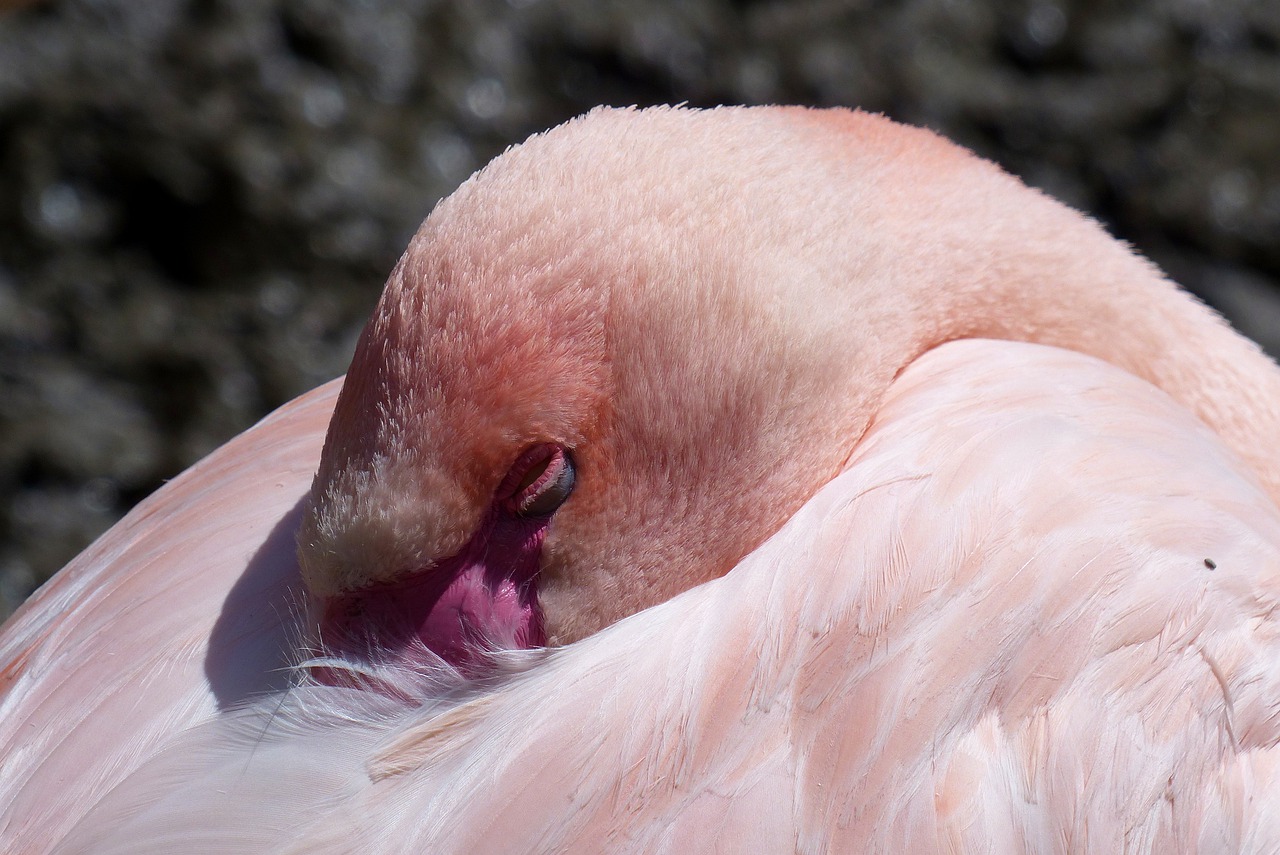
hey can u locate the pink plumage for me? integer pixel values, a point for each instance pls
(817, 577)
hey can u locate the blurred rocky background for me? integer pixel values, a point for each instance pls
(200, 199)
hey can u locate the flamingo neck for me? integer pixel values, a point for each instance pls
(930, 244)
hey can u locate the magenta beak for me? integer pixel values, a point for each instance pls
(482, 599)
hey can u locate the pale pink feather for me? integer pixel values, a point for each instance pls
(997, 631)
(184, 609)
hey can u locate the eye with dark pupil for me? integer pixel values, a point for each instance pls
(544, 485)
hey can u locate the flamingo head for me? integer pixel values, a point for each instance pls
(589, 385)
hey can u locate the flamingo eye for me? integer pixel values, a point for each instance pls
(539, 482)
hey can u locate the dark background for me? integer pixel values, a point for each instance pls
(200, 199)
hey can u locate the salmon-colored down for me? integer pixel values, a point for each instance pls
(744, 480)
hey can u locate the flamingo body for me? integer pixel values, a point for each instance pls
(822, 567)
(1048, 665)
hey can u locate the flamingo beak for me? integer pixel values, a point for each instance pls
(482, 598)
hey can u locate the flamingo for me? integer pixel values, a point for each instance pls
(752, 479)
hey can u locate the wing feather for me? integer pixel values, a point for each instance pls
(181, 610)
(996, 631)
